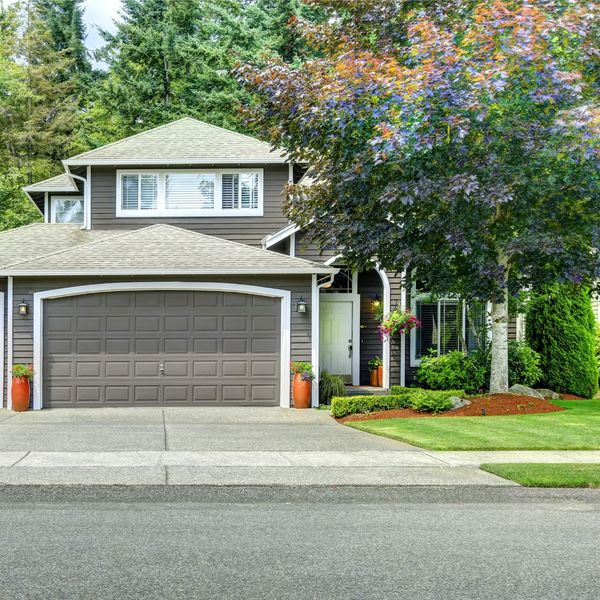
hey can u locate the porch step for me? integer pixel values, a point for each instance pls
(366, 390)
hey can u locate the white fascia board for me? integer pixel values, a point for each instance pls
(106, 162)
(279, 236)
(143, 272)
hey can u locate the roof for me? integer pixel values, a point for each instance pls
(186, 141)
(157, 249)
(60, 183)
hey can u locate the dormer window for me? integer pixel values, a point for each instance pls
(67, 209)
(187, 193)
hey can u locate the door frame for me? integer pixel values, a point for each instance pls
(140, 286)
(355, 299)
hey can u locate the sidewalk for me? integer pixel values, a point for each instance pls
(409, 467)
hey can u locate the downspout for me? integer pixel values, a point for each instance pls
(315, 334)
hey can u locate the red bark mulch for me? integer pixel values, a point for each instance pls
(495, 405)
(571, 397)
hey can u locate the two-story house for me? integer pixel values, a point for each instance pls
(165, 273)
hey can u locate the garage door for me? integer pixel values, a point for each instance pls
(161, 348)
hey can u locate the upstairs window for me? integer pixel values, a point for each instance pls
(67, 210)
(203, 193)
(139, 192)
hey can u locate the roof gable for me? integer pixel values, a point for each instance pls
(186, 141)
(60, 183)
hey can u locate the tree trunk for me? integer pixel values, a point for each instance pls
(499, 366)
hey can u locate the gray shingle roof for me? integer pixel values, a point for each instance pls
(186, 141)
(60, 183)
(158, 249)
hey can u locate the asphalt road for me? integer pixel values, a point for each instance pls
(434, 543)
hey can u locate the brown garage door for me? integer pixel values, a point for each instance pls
(158, 348)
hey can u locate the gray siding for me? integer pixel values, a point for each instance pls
(247, 230)
(369, 285)
(310, 251)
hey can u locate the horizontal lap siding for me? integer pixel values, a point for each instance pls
(247, 230)
(369, 285)
(395, 280)
(297, 285)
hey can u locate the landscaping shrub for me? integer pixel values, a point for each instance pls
(330, 386)
(523, 364)
(561, 327)
(422, 400)
(451, 371)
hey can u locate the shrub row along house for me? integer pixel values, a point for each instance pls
(165, 273)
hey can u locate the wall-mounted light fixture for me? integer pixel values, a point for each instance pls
(376, 302)
(23, 307)
(302, 306)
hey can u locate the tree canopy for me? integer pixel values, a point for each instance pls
(459, 142)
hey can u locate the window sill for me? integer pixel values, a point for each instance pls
(149, 214)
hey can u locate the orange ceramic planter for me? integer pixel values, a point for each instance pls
(20, 394)
(301, 392)
(374, 378)
(380, 376)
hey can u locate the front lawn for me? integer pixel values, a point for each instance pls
(577, 428)
(548, 475)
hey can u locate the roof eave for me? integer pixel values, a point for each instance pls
(103, 162)
(129, 272)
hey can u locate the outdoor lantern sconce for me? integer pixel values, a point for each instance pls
(376, 301)
(23, 307)
(301, 307)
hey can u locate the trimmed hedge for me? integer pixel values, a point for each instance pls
(561, 327)
(416, 398)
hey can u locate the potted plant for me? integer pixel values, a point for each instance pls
(301, 386)
(22, 375)
(376, 365)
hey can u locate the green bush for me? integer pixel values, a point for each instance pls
(330, 386)
(451, 371)
(419, 399)
(562, 328)
(523, 364)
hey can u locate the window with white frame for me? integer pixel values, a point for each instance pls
(225, 192)
(446, 324)
(66, 210)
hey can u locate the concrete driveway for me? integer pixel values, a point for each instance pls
(211, 446)
(211, 429)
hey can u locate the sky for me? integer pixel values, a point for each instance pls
(98, 13)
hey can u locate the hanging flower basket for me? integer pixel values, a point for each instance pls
(396, 323)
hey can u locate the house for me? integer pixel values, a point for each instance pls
(165, 273)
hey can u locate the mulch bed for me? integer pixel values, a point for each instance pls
(494, 405)
(571, 397)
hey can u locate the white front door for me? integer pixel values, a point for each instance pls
(336, 340)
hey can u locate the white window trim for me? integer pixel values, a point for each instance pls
(55, 199)
(217, 211)
(38, 319)
(414, 361)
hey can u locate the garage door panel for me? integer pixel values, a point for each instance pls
(216, 348)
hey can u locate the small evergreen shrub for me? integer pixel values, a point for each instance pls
(454, 370)
(561, 327)
(523, 364)
(330, 386)
(422, 400)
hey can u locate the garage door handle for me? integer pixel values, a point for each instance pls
(349, 348)
(162, 369)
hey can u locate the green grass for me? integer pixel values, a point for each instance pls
(548, 475)
(577, 428)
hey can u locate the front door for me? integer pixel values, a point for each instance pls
(336, 341)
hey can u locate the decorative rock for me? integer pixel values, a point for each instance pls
(523, 390)
(548, 393)
(458, 402)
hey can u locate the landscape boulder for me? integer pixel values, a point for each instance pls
(548, 393)
(523, 390)
(458, 402)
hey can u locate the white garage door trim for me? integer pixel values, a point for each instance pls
(198, 286)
